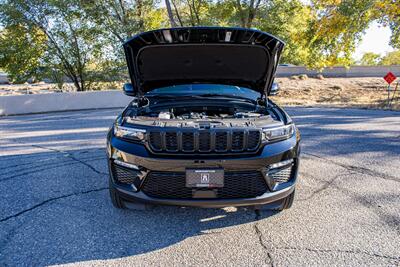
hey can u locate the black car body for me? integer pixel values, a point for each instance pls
(200, 130)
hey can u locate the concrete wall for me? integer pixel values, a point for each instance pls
(3, 78)
(354, 71)
(23, 104)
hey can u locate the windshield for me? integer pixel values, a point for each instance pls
(205, 89)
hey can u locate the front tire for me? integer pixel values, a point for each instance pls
(280, 205)
(288, 201)
(119, 203)
(115, 198)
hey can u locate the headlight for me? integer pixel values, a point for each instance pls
(279, 133)
(129, 133)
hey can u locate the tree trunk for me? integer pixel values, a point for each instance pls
(247, 12)
(242, 16)
(253, 9)
(197, 11)
(177, 13)
(170, 14)
(139, 13)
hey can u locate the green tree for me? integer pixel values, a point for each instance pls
(388, 12)
(20, 52)
(338, 26)
(289, 21)
(188, 12)
(286, 19)
(73, 42)
(82, 39)
(370, 59)
(391, 58)
(335, 30)
(117, 21)
(247, 10)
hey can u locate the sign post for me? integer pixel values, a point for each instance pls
(389, 78)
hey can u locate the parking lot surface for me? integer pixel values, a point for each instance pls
(55, 208)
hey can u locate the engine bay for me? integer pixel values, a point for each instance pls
(195, 114)
(206, 113)
(195, 111)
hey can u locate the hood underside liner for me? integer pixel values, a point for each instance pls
(232, 56)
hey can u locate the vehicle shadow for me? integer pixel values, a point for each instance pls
(60, 213)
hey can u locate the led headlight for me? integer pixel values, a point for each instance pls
(278, 133)
(129, 133)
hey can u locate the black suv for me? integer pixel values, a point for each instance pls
(200, 130)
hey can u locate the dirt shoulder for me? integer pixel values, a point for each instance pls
(297, 90)
(344, 92)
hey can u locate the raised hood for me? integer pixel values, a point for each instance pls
(232, 56)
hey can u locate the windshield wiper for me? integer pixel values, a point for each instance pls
(226, 96)
(168, 96)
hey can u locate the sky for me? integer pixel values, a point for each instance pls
(376, 39)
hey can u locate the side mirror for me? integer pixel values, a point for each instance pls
(129, 90)
(274, 89)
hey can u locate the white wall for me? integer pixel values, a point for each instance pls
(3, 78)
(354, 71)
(36, 103)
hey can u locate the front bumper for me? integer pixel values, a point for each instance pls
(272, 153)
(266, 198)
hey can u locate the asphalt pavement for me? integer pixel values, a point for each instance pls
(55, 208)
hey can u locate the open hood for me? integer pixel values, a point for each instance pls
(232, 56)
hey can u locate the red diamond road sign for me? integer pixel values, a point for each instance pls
(389, 77)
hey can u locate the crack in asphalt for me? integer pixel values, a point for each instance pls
(28, 164)
(40, 168)
(358, 169)
(71, 156)
(271, 260)
(50, 200)
(31, 163)
(67, 154)
(325, 186)
(260, 236)
(387, 218)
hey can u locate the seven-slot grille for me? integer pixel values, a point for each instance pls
(240, 184)
(204, 141)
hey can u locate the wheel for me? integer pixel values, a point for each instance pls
(288, 201)
(115, 198)
(280, 205)
(118, 203)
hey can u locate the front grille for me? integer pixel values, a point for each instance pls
(187, 142)
(124, 175)
(281, 176)
(171, 141)
(204, 141)
(221, 141)
(171, 185)
(155, 141)
(237, 140)
(253, 140)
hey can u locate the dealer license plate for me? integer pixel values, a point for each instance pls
(209, 178)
